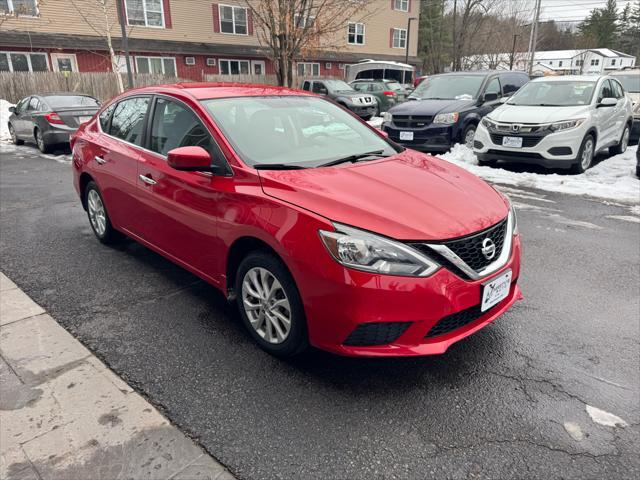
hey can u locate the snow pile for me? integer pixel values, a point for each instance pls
(4, 120)
(613, 178)
(375, 122)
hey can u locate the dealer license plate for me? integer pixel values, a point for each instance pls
(406, 135)
(83, 119)
(512, 142)
(495, 290)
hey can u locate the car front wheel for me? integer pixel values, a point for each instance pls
(270, 305)
(14, 137)
(468, 135)
(585, 155)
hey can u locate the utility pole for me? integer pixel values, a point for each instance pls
(125, 42)
(513, 51)
(455, 62)
(406, 54)
(533, 39)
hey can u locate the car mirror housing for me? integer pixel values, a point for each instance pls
(12, 109)
(608, 102)
(490, 97)
(189, 159)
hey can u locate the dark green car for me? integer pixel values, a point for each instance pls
(388, 92)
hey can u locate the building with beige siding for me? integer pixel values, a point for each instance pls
(186, 38)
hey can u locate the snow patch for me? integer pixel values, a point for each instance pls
(4, 120)
(574, 430)
(375, 122)
(605, 418)
(611, 179)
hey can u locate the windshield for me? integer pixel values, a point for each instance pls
(337, 85)
(449, 87)
(631, 82)
(60, 101)
(554, 94)
(291, 130)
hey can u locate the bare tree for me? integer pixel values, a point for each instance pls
(291, 29)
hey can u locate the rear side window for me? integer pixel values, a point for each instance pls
(174, 126)
(127, 122)
(360, 87)
(63, 101)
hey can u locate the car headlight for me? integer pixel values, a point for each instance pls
(488, 123)
(387, 117)
(366, 251)
(446, 118)
(566, 125)
(513, 218)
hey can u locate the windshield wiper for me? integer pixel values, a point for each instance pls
(277, 166)
(353, 158)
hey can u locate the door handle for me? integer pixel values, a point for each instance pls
(100, 160)
(147, 180)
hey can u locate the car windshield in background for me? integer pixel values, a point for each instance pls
(631, 82)
(449, 87)
(337, 85)
(67, 101)
(554, 94)
(293, 131)
(394, 86)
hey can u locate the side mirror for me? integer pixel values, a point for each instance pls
(608, 102)
(323, 91)
(189, 159)
(491, 97)
(12, 109)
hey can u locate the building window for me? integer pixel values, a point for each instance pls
(613, 61)
(308, 69)
(233, 19)
(402, 5)
(211, 62)
(234, 67)
(560, 63)
(145, 13)
(156, 65)
(304, 22)
(23, 61)
(399, 38)
(551, 62)
(579, 63)
(27, 8)
(595, 62)
(191, 61)
(356, 33)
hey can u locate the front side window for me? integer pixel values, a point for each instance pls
(617, 89)
(606, 91)
(356, 33)
(233, 19)
(156, 65)
(399, 38)
(127, 122)
(145, 13)
(23, 62)
(19, 7)
(554, 94)
(318, 87)
(493, 87)
(292, 130)
(105, 116)
(34, 104)
(449, 87)
(402, 5)
(234, 67)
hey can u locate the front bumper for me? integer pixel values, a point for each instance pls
(368, 111)
(338, 300)
(555, 150)
(432, 138)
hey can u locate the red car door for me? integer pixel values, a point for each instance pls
(115, 160)
(179, 207)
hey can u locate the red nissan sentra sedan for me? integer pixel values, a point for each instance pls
(322, 230)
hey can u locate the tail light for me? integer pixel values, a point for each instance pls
(53, 118)
(389, 93)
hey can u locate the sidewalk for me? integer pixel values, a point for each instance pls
(64, 415)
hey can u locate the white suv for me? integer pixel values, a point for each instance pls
(557, 122)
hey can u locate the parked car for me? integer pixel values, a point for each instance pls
(387, 92)
(446, 109)
(419, 80)
(630, 80)
(50, 119)
(362, 104)
(560, 122)
(638, 162)
(322, 231)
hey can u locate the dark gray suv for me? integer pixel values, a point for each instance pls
(362, 104)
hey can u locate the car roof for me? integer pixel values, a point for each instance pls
(572, 78)
(375, 80)
(630, 71)
(483, 73)
(203, 91)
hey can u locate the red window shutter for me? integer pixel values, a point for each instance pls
(391, 37)
(409, 6)
(249, 21)
(216, 18)
(166, 5)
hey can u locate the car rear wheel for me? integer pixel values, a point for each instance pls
(624, 143)
(43, 145)
(468, 135)
(585, 155)
(98, 216)
(270, 305)
(14, 137)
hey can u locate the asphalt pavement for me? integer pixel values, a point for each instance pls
(511, 401)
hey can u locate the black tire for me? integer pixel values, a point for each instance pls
(14, 136)
(110, 234)
(41, 142)
(470, 128)
(577, 166)
(621, 147)
(297, 339)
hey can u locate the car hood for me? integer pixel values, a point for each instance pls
(431, 107)
(524, 114)
(410, 196)
(352, 95)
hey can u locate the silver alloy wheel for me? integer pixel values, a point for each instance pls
(587, 154)
(266, 304)
(468, 139)
(97, 214)
(12, 132)
(624, 143)
(39, 139)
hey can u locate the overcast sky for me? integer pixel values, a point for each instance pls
(571, 10)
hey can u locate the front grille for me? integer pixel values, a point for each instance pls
(378, 333)
(457, 320)
(469, 249)
(511, 154)
(412, 121)
(527, 141)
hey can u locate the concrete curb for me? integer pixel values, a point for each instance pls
(65, 415)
